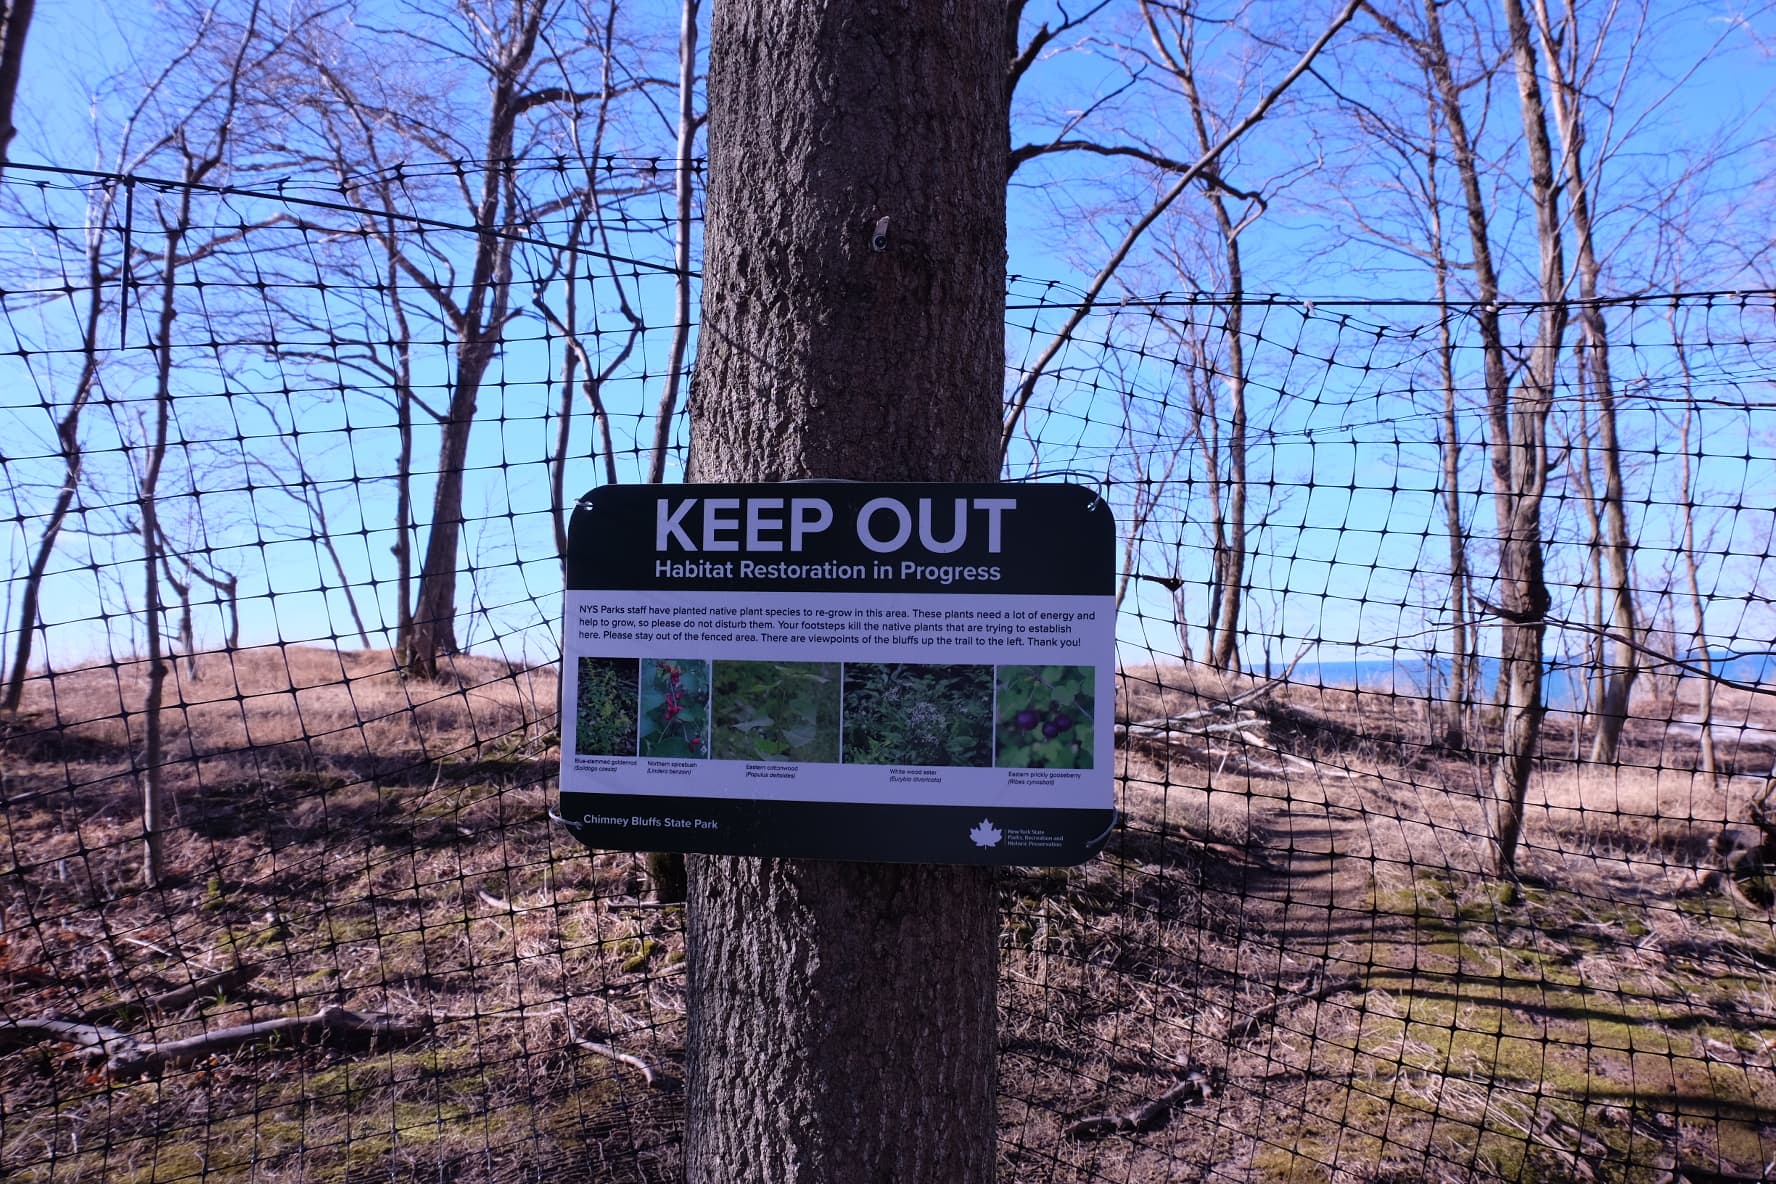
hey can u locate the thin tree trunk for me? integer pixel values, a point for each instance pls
(318, 507)
(1516, 420)
(404, 540)
(1463, 660)
(225, 586)
(1706, 763)
(1520, 473)
(68, 442)
(1228, 558)
(187, 643)
(153, 758)
(684, 176)
(842, 1015)
(1619, 661)
(570, 361)
(479, 325)
(1578, 445)
(578, 359)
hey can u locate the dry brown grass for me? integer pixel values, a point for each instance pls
(384, 845)
(336, 828)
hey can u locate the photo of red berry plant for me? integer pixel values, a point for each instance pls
(674, 708)
(899, 714)
(775, 711)
(1045, 717)
(604, 715)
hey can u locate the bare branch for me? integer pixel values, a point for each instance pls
(1027, 388)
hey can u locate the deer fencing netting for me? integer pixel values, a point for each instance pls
(367, 953)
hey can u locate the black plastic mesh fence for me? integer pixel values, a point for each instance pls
(357, 948)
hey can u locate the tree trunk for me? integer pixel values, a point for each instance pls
(1444, 99)
(1706, 762)
(68, 441)
(153, 756)
(1520, 477)
(479, 325)
(842, 1015)
(15, 23)
(434, 613)
(1618, 663)
(402, 362)
(684, 178)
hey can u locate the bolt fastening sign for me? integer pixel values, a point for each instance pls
(900, 672)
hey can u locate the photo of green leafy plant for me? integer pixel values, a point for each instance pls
(775, 711)
(674, 708)
(604, 716)
(901, 714)
(1045, 717)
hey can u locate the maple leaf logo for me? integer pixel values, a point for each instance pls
(985, 835)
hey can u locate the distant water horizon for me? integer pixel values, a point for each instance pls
(1564, 686)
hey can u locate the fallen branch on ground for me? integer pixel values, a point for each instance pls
(611, 1053)
(1197, 1086)
(1315, 988)
(126, 1056)
(1199, 1083)
(210, 986)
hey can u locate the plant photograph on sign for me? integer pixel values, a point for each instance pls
(901, 714)
(1045, 717)
(775, 711)
(605, 711)
(674, 708)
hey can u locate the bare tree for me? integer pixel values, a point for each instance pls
(350, 113)
(164, 118)
(68, 439)
(1175, 45)
(1520, 467)
(202, 152)
(1564, 52)
(1396, 206)
(582, 372)
(1188, 175)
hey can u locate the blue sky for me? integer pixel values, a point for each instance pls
(1347, 552)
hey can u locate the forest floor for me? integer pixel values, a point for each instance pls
(1286, 966)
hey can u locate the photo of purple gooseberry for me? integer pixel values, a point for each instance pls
(1062, 722)
(1026, 719)
(1051, 730)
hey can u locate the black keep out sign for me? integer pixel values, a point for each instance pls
(909, 673)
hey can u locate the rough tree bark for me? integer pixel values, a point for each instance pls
(842, 1015)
